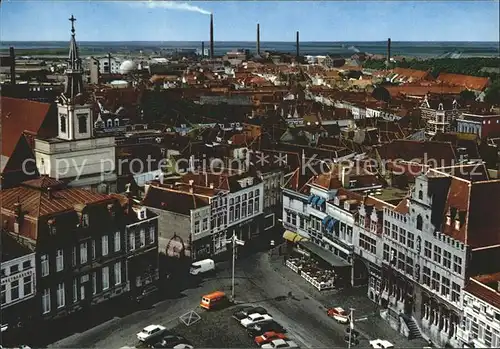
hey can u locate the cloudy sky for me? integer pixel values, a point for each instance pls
(235, 21)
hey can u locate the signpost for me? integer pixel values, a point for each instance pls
(234, 241)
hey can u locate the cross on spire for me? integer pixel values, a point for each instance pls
(72, 20)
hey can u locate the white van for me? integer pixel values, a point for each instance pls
(202, 266)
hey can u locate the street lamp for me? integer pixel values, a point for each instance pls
(234, 241)
(351, 326)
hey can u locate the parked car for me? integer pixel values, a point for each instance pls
(202, 267)
(280, 343)
(339, 314)
(170, 341)
(381, 343)
(269, 337)
(244, 312)
(265, 326)
(150, 332)
(254, 318)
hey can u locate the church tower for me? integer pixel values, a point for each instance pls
(76, 155)
(74, 113)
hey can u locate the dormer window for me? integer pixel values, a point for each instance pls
(62, 119)
(117, 122)
(457, 224)
(109, 123)
(82, 123)
(440, 107)
(448, 220)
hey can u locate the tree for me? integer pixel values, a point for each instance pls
(492, 94)
(468, 96)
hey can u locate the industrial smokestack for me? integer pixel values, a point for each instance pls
(211, 35)
(297, 44)
(203, 49)
(258, 39)
(12, 65)
(388, 53)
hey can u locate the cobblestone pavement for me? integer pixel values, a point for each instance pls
(291, 301)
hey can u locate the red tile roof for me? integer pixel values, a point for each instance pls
(36, 201)
(441, 153)
(470, 82)
(412, 74)
(18, 116)
(485, 287)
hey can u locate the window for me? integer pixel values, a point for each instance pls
(59, 260)
(368, 244)
(105, 245)
(250, 207)
(117, 122)
(257, 192)
(387, 228)
(105, 278)
(82, 123)
(420, 222)
(445, 286)
(401, 261)
(237, 212)
(420, 195)
(60, 295)
(73, 256)
(410, 241)
(457, 265)
(231, 213)
(447, 259)
(131, 241)
(83, 253)
(386, 253)
(27, 285)
(45, 264)
(395, 232)
(256, 204)
(409, 265)
(85, 220)
(455, 292)
(402, 236)
(14, 269)
(437, 254)
(4, 291)
(301, 222)
(93, 249)
(14, 290)
(94, 283)
(26, 265)
(46, 301)
(75, 290)
(435, 280)
(426, 275)
(204, 224)
(118, 273)
(152, 231)
(428, 249)
(294, 219)
(117, 241)
(142, 236)
(62, 119)
(196, 227)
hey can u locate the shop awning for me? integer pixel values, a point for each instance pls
(325, 220)
(331, 224)
(293, 237)
(325, 255)
(320, 202)
(315, 200)
(311, 198)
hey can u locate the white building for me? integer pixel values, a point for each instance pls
(18, 283)
(481, 304)
(75, 154)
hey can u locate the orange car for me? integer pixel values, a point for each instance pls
(268, 337)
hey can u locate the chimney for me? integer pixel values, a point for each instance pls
(297, 45)
(344, 176)
(203, 49)
(109, 62)
(211, 185)
(211, 36)
(49, 193)
(12, 66)
(258, 39)
(388, 53)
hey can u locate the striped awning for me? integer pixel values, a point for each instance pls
(315, 200)
(311, 198)
(293, 237)
(320, 202)
(331, 224)
(326, 220)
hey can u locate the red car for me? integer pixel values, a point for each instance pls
(338, 314)
(268, 337)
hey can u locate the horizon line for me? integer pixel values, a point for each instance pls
(253, 41)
